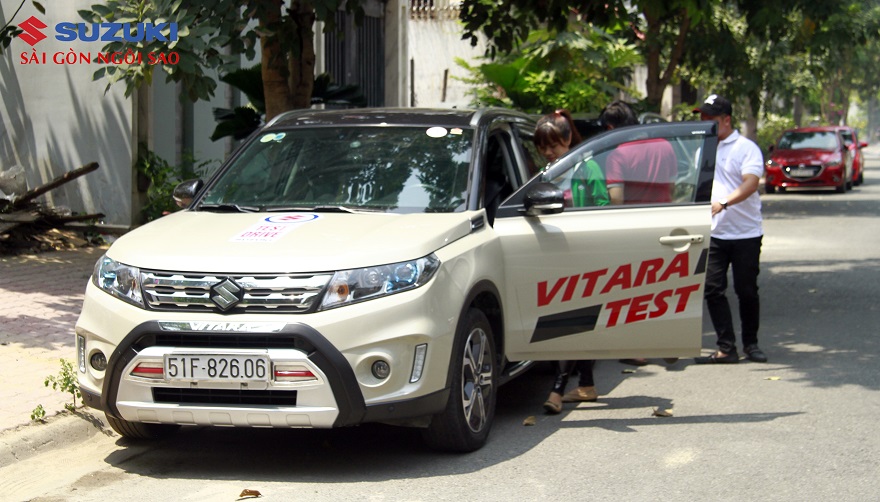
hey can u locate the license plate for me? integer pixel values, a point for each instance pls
(218, 367)
(801, 173)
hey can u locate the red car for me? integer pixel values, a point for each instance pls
(851, 140)
(810, 157)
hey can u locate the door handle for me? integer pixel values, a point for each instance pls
(677, 240)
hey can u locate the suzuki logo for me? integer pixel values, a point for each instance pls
(226, 294)
(32, 34)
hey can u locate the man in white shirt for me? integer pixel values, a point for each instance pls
(736, 236)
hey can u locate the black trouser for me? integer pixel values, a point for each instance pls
(743, 256)
(564, 369)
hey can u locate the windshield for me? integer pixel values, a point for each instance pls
(821, 140)
(390, 169)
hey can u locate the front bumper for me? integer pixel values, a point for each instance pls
(825, 177)
(339, 353)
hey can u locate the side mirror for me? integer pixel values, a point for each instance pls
(544, 198)
(771, 148)
(863, 144)
(185, 192)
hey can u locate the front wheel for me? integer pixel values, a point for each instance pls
(140, 430)
(464, 425)
(769, 189)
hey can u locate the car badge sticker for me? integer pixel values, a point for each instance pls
(272, 228)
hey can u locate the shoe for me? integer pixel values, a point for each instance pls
(635, 362)
(716, 358)
(553, 404)
(755, 354)
(581, 394)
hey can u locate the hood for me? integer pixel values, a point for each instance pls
(803, 156)
(285, 242)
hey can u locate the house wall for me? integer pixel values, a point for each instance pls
(54, 118)
(434, 43)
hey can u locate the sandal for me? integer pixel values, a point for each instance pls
(553, 404)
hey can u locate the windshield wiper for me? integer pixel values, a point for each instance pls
(228, 208)
(318, 209)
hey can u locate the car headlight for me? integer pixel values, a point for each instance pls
(832, 162)
(772, 163)
(360, 284)
(120, 280)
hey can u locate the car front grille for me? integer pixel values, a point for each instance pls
(802, 172)
(224, 397)
(252, 293)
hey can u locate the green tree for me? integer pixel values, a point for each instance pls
(579, 70)
(659, 28)
(213, 34)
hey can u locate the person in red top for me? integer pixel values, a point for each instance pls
(640, 171)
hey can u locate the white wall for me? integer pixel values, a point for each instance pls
(433, 46)
(54, 118)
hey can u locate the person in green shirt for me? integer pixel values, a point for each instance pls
(555, 134)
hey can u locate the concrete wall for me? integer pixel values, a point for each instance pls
(54, 118)
(434, 43)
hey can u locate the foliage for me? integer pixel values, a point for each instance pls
(658, 28)
(580, 71)
(243, 120)
(38, 414)
(66, 382)
(771, 128)
(9, 30)
(163, 177)
(214, 34)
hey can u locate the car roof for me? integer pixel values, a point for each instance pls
(446, 117)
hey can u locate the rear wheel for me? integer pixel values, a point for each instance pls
(464, 425)
(140, 430)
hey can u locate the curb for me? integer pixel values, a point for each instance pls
(59, 431)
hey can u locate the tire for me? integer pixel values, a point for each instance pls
(465, 423)
(841, 188)
(140, 430)
(861, 178)
(769, 189)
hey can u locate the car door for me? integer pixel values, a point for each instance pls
(612, 281)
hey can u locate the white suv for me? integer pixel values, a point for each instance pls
(394, 266)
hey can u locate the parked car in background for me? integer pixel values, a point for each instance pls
(851, 140)
(810, 157)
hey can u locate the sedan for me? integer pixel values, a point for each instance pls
(809, 158)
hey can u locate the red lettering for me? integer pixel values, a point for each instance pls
(647, 273)
(660, 303)
(592, 278)
(622, 277)
(615, 308)
(678, 265)
(569, 291)
(683, 294)
(638, 308)
(543, 297)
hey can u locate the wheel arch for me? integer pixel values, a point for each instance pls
(485, 297)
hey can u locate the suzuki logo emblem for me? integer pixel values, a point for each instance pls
(226, 294)
(32, 34)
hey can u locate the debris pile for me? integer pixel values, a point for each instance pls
(28, 226)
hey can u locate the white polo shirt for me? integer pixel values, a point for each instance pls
(735, 157)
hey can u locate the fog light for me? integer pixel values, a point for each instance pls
(98, 361)
(418, 362)
(381, 369)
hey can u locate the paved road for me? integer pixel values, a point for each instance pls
(801, 427)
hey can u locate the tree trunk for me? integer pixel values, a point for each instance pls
(274, 60)
(657, 80)
(302, 68)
